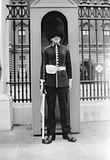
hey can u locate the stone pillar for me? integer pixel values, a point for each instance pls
(6, 114)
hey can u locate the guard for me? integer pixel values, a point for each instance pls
(56, 77)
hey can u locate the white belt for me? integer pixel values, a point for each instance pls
(61, 68)
(52, 69)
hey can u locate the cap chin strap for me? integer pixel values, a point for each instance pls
(56, 40)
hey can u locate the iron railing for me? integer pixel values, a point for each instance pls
(98, 90)
(20, 87)
(16, 91)
(95, 82)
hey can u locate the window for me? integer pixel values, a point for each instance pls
(20, 58)
(106, 33)
(24, 71)
(85, 36)
(87, 71)
(22, 35)
(85, 32)
(107, 36)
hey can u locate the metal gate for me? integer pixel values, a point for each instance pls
(94, 45)
(20, 55)
(94, 50)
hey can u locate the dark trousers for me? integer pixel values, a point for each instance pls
(62, 94)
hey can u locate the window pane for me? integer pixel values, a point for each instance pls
(22, 32)
(24, 39)
(107, 36)
(85, 32)
(20, 57)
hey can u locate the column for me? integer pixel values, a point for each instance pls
(6, 110)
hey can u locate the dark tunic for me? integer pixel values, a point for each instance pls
(49, 57)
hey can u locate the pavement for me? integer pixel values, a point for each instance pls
(93, 143)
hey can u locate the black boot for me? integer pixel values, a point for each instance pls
(69, 137)
(49, 139)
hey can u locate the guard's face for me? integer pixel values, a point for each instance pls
(56, 40)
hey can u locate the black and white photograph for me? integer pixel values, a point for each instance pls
(54, 79)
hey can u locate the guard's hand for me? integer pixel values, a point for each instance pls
(70, 84)
(42, 81)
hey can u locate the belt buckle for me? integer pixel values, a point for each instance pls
(60, 68)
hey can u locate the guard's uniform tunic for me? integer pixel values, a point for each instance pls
(56, 71)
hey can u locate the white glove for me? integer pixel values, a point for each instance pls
(41, 85)
(70, 84)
